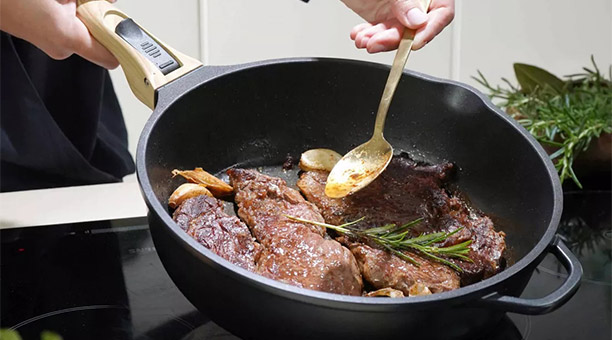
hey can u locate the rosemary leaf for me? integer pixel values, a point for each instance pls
(568, 120)
(394, 240)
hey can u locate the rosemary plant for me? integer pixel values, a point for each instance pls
(565, 115)
(394, 239)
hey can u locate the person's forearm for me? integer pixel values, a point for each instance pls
(53, 26)
(16, 17)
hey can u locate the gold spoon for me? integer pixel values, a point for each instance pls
(363, 164)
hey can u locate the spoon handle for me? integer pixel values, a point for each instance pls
(403, 51)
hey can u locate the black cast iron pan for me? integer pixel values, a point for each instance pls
(257, 114)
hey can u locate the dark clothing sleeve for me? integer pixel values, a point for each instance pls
(61, 123)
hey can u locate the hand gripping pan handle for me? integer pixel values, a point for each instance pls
(147, 62)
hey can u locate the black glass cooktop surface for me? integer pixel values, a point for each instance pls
(104, 280)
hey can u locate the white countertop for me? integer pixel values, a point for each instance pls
(71, 204)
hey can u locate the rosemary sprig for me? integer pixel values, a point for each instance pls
(395, 240)
(567, 119)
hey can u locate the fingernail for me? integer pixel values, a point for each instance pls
(416, 17)
(377, 48)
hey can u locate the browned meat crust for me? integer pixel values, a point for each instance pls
(382, 269)
(191, 209)
(407, 191)
(294, 253)
(203, 218)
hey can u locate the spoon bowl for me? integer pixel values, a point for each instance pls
(359, 167)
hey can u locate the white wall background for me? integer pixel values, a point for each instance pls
(486, 35)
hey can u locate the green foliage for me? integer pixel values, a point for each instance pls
(531, 78)
(565, 115)
(48, 335)
(9, 334)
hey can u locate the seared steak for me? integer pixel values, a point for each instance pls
(191, 209)
(292, 252)
(382, 270)
(405, 191)
(203, 218)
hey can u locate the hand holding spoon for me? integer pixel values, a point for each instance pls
(365, 163)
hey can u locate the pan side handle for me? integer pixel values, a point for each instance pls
(553, 300)
(147, 62)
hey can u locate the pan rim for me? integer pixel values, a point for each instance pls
(332, 300)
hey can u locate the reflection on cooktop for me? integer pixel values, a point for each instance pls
(103, 280)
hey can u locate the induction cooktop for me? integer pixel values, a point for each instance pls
(103, 280)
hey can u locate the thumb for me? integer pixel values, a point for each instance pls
(89, 48)
(410, 13)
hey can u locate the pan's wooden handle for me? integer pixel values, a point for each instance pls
(147, 62)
